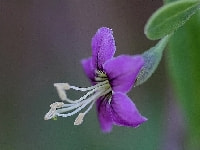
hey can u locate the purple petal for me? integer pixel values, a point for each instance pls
(122, 71)
(124, 111)
(88, 68)
(103, 47)
(104, 115)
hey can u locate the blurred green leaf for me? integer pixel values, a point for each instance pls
(184, 67)
(169, 1)
(169, 18)
(152, 58)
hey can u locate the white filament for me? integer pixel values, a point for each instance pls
(74, 106)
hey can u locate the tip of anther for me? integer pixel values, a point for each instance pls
(61, 88)
(57, 105)
(46, 118)
(52, 112)
(64, 86)
(79, 119)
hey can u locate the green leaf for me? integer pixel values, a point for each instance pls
(152, 58)
(169, 1)
(184, 67)
(169, 18)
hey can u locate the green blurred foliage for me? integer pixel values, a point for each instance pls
(169, 1)
(169, 18)
(184, 68)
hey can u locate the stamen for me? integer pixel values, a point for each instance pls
(74, 112)
(64, 86)
(90, 107)
(79, 119)
(100, 74)
(82, 98)
(86, 102)
(99, 79)
(61, 87)
(52, 111)
(89, 88)
(57, 105)
(75, 105)
(82, 104)
(102, 88)
(50, 114)
(67, 105)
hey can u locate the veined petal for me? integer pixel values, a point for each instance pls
(103, 47)
(124, 111)
(88, 68)
(122, 71)
(104, 115)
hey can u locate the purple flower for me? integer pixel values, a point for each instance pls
(112, 78)
(115, 107)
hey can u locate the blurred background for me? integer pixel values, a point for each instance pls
(42, 42)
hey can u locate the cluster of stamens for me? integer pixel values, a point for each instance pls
(71, 107)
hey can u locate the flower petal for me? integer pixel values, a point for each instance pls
(104, 115)
(124, 111)
(122, 71)
(103, 47)
(88, 68)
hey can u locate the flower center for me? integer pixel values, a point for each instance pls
(61, 109)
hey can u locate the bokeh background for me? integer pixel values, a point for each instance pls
(42, 42)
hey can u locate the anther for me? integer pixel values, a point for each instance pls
(60, 109)
(50, 114)
(64, 86)
(79, 119)
(57, 105)
(61, 87)
(52, 111)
